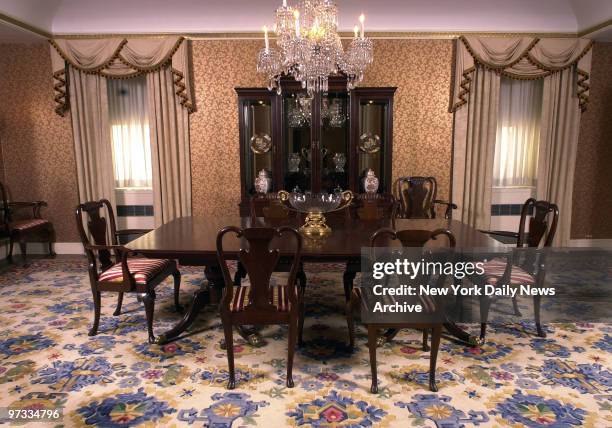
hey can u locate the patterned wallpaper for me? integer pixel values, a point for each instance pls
(38, 153)
(592, 198)
(37, 147)
(422, 127)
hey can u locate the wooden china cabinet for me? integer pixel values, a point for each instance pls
(321, 144)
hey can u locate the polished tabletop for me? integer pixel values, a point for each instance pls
(194, 238)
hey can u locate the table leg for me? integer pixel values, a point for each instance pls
(209, 292)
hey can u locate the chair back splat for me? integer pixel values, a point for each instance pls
(543, 217)
(417, 198)
(259, 261)
(97, 228)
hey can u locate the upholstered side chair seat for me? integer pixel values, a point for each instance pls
(142, 270)
(23, 225)
(494, 270)
(279, 297)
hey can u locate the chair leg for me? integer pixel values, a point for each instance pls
(229, 348)
(536, 312)
(97, 300)
(291, 350)
(347, 280)
(51, 235)
(433, 357)
(119, 303)
(177, 288)
(485, 304)
(149, 303)
(425, 346)
(350, 324)
(24, 252)
(372, 338)
(515, 306)
(301, 323)
(9, 256)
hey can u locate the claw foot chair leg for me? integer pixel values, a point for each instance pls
(97, 308)
(149, 304)
(372, 343)
(119, 304)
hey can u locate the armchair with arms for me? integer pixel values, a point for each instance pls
(19, 224)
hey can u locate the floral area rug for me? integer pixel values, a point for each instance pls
(117, 379)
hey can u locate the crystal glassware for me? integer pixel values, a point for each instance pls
(315, 205)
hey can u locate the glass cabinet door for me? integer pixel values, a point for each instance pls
(258, 150)
(334, 144)
(372, 141)
(297, 129)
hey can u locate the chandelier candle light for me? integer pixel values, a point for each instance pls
(308, 48)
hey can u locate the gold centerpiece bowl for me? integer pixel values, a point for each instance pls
(315, 205)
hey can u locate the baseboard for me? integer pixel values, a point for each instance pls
(42, 248)
(591, 243)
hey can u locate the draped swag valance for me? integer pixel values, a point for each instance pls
(119, 59)
(520, 58)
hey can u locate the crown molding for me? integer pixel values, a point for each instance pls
(247, 35)
(24, 25)
(343, 34)
(594, 28)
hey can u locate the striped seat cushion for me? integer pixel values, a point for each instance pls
(143, 270)
(494, 270)
(279, 298)
(27, 224)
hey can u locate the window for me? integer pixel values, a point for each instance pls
(518, 133)
(129, 124)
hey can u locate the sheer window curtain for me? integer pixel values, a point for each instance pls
(518, 133)
(130, 135)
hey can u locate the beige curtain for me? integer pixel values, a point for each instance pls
(170, 149)
(558, 143)
(166, 63)
(565, 65)
(520, 58)
(518, 132)
(122, 58)
(474, 150)
(92, 145)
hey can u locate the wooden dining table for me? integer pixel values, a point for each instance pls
(192, 241)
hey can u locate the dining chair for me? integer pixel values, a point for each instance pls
(24, 228)
(261, 302)
(124, 274)
(368, 207)
(414, 239)
(522, 267)
(417, 198)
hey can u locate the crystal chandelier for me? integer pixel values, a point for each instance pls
(308, 47)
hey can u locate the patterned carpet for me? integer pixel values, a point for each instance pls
(117, 379)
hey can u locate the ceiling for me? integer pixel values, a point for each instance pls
(209, 16)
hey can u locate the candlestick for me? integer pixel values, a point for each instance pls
(265, 28)
(362, 20)
(296, 14)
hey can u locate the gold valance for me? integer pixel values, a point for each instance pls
(120, 59)
(520, 58)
